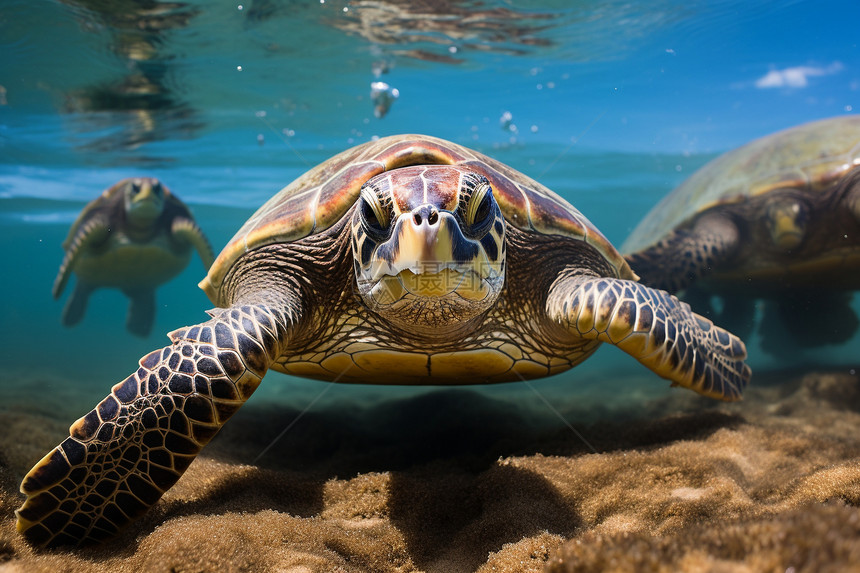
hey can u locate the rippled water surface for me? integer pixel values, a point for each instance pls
(611, 104)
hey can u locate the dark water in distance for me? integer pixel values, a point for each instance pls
(611, 104)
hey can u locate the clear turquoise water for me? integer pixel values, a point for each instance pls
(614, 104)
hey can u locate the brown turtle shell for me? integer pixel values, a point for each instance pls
(809, 157)
(319, 198)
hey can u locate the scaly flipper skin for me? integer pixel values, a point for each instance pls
(188, 231)
(89, 235)
(737, 313)
(654, 327)
(123, 455)
(686, 255)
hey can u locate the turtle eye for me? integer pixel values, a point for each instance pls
(373, 216)
(480, 205)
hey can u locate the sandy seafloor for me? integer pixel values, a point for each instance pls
(453, 480)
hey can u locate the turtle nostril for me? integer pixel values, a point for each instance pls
(426, 213)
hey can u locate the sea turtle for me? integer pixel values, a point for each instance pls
(135, 236)
(778, 218)
(406, 260)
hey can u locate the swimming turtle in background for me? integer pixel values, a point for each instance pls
(779, 219)
(135, 236)
(406, 260)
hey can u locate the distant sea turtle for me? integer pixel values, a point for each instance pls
(407, 260)
(778, 218)
(133, 237)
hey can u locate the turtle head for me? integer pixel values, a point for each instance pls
(143, 199)
(429, 246)
(786, 218)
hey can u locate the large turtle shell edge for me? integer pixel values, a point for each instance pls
(319, 198)
(808, 157)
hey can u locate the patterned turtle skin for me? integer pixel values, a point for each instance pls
(407, 260)
(133, 237)
(779, 219)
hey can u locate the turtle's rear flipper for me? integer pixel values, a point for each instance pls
(738, 314)
(90, 234)
(76, 306)
(141, 311)
(807, 319)
(122, 456)
(656, 328)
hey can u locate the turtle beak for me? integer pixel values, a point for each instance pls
(787, 223)
(145, 193)
(429, 256)
(425, 241)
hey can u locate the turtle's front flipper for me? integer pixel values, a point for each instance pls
(135, 444)
(188, 231)
(90, 234)
(686, 255)
(654, 327)
(735, 312)
(141, 311)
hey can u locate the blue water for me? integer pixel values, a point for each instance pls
(610, 103)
